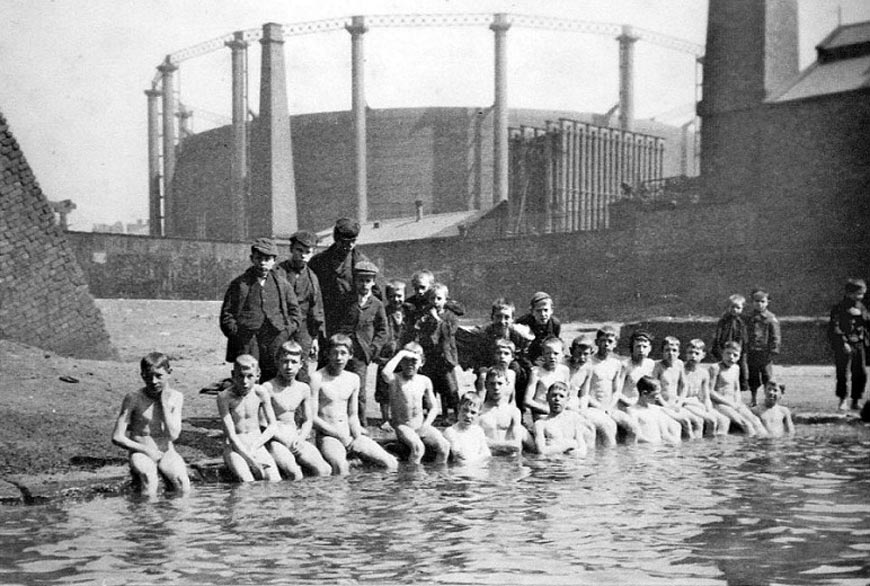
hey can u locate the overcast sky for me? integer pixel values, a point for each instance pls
(73, 72)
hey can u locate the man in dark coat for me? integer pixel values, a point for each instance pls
(307, 288)
(848, 334)
(260, 311)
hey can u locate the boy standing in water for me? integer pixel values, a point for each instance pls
(147, 426)
(653, 426)
(412, 404)
(335, 393)
(776, 418)
(289, 446)
(467, 441)
(561, 431)
(239, 407)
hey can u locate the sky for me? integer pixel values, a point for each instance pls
(73, 72)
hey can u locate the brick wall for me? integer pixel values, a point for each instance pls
(44, 297)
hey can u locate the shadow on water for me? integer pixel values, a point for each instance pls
(795, 511)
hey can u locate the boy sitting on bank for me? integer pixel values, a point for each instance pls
(147, 426)
(500, 418)
(638, 364)
(725, 391)
(549, 371)
(775, 417)
(335, 393)
(561, 431)
(669, 372)
(602, 390)
(239, 407)
(696, 399)
(289, 446)
(579, 371)
(468, 443)
(653, 426)
(412, 405)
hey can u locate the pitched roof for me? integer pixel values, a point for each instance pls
(408, 228)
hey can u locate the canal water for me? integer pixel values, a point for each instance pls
(721, 511)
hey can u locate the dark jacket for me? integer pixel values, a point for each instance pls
(844, 327)
(763, 331)
(307, 288)
(731, 328)
(401, 332)
(238, 323)
(416, 306)
(553, 327)
(334, 270)
(438, 339)
(366, 326)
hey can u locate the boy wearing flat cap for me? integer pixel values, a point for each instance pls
(334, 268)
(542, 323)
(260, 311)
(364, 321)
(849, 337)
(307, 288)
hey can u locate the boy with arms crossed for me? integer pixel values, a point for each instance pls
(500, 418)
(335, 391)
(410, 394)
(776, 418)
(725, 391)
(467, 441)
(669, 372)
(561, 431)
(149, 421)
(653, 426)
(289, 446)
(697, 396)
(239, 408)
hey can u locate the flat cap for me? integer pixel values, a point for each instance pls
(538, 297)
(346, 228)
(265, 246)
(365, 267)
(855, 285)
(305, 238)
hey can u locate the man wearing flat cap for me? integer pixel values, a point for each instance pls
(334, 268)
(307, 288)
(260, 311)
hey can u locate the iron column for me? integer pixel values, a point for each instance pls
(239, 161)
(500, 26)
(357, 29)
(626, 77)
(168, 69)
(155, 218)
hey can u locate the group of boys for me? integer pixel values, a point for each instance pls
(527, 397)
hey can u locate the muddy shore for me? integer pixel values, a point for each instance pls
(58, 412)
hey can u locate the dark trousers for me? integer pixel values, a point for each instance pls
(759, 367)
(304, 374)
(361, 369)
(744, 372)
(263, 345)
(853, 363)
(446, 388)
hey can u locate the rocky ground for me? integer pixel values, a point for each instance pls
(58, 412)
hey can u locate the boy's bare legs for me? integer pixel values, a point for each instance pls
(628, 424)
(310, 459)
(605, 426)
(173, 468)
(285, 461)
(335, 454)
(736, 419)
(145, 471)
(368, 449)
(240, 468)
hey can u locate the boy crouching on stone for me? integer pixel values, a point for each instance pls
(411, 394)
(239, 408)
(147, 426)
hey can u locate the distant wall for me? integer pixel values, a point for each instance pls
(44, 297)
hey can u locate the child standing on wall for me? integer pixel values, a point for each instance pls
(397, 323)
(732, 328)
(436, 332)
(764, 343)
(849, 335)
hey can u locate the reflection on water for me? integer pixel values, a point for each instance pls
(729, 510)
